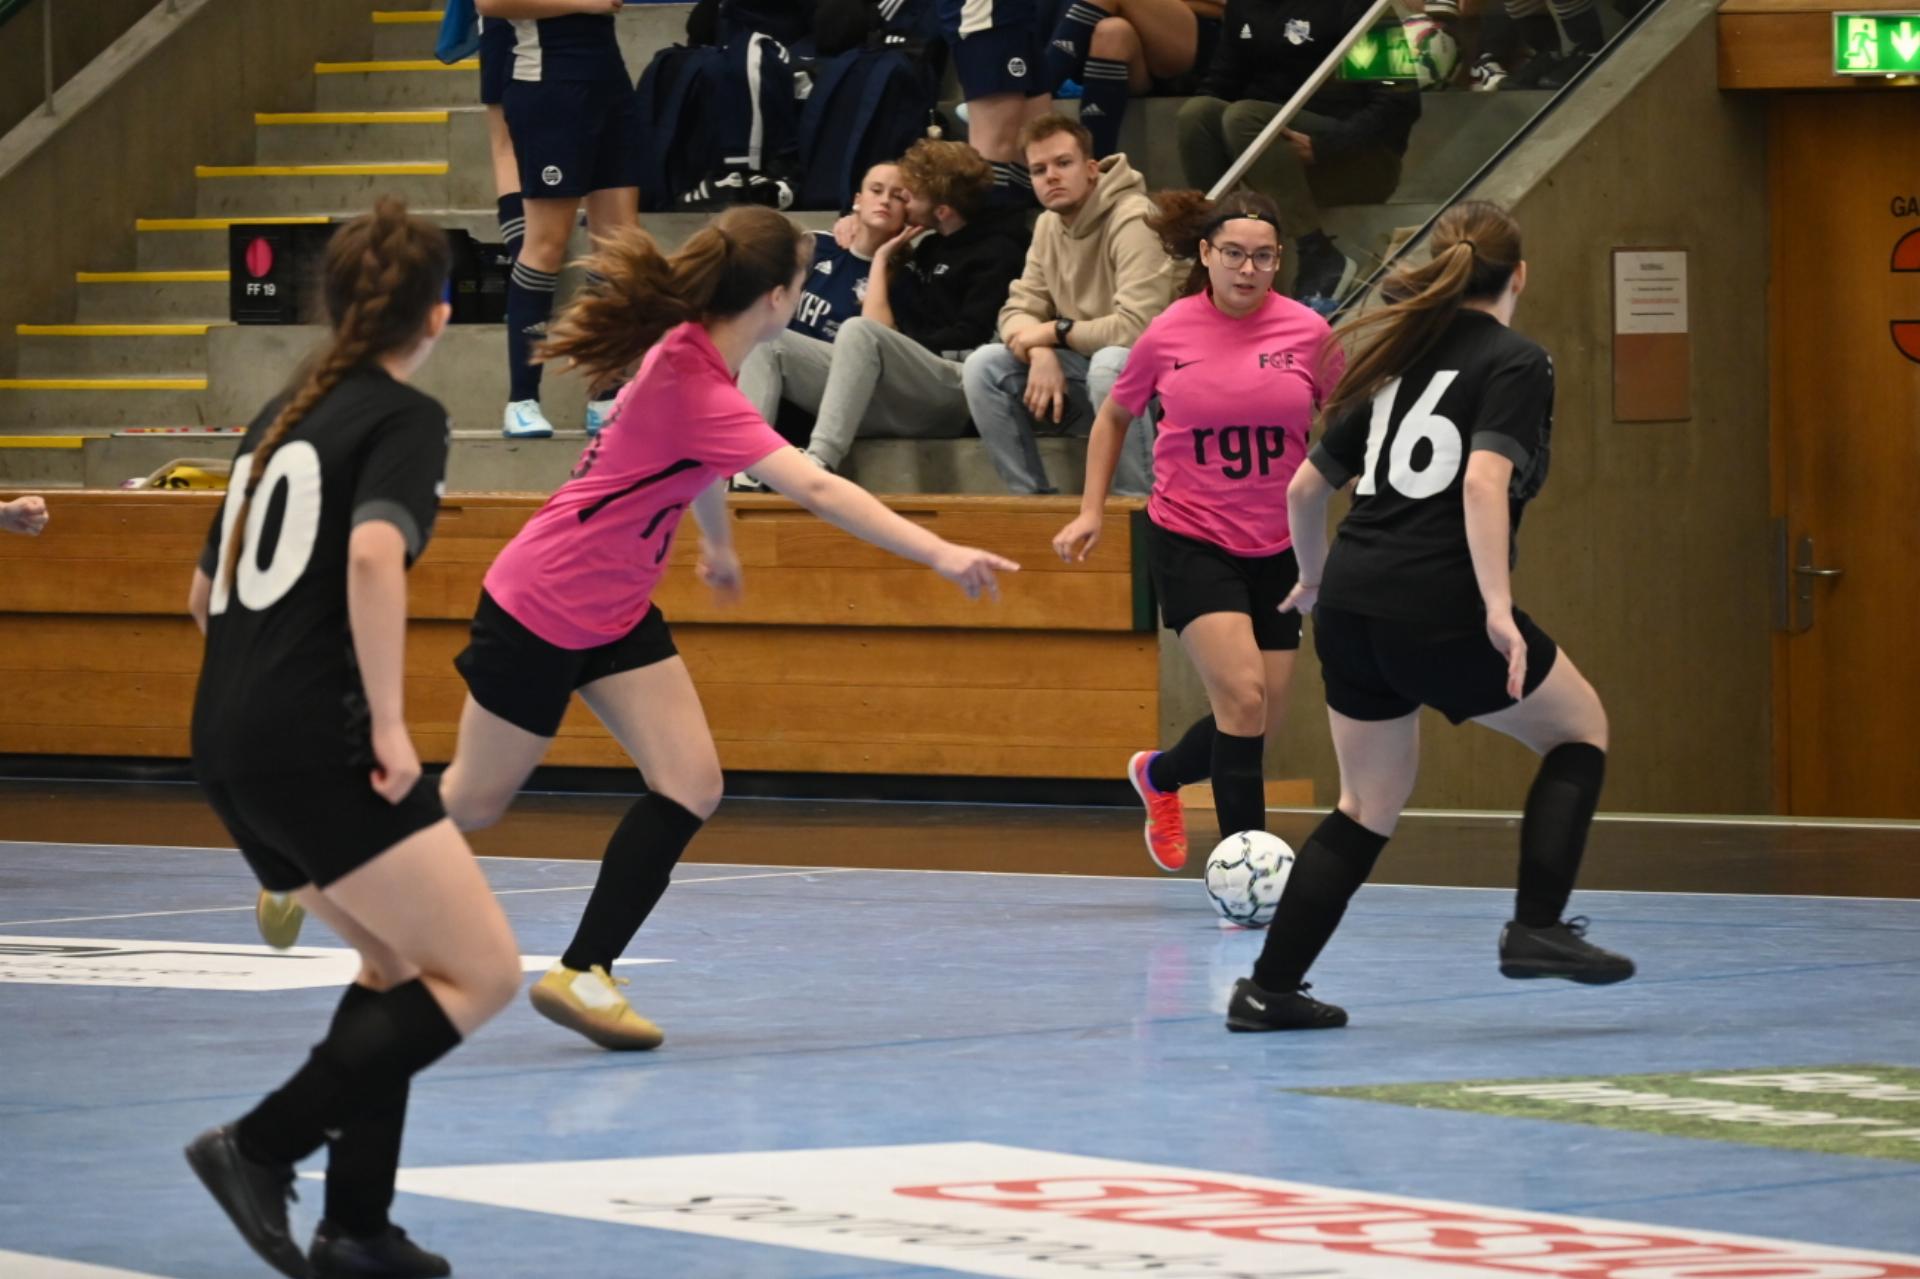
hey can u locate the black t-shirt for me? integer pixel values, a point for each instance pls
(1402, 550)
(280, 690)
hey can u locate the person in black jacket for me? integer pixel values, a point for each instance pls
(1344, 148)
(933, 294)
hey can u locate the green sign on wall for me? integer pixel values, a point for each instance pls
(1886, 44)
(1381, 54)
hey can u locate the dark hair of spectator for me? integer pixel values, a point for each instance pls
(1476, 249)
(384, 273)
(949, 173)
(1040, 128)
(638, 293)
(1182, 219)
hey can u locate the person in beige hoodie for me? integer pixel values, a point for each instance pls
(1095, 276)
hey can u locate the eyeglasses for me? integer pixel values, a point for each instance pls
(1236, 257)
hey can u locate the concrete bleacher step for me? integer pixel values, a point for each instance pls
(379, 85)
(197, 244)
(109, 350)
(224, 190)
(130, 297)
(354, 137)
(643, 29)
(42, 403)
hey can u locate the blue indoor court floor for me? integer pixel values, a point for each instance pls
(885, 1073)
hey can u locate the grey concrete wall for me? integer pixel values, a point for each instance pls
(1646, 556)
(175, 91)
(79, 32)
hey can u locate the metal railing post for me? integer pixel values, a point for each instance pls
(1321, 75)
(46, 48)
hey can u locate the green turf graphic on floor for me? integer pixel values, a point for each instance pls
(1834, 1110)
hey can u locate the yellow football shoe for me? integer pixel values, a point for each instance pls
(279, 917)
(591, 1003)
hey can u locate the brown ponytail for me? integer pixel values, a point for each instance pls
(1476, 249)
(1182, 219)
(636, 293)
(385, 272)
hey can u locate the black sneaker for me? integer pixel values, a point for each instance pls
(1529, 74)
(1255, 1009)
(1561, 74)
(1560, 950)
(1324, 270)
(254, 1195)
(387, 1255)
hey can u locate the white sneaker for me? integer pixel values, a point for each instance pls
(744, 483)
(525, 421)
(599, 414)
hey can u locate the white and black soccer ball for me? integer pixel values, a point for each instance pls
(1246, 873)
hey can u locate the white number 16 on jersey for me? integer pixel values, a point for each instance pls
(1420, 423)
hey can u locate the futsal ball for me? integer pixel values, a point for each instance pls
(1436, 54)
(1246, 874)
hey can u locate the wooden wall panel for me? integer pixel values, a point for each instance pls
(844, 659)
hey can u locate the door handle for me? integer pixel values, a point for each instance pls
(1806, 573)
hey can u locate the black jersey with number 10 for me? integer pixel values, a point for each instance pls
(280, 690)
(1402, 551)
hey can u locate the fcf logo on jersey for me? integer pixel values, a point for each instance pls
(1299, 31)
(1277, 360)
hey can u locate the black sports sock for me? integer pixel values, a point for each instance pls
(1188, 760)
(1539, 32)
(639, 861)
(1327, 871)
(1239, 790)
(1012, 186)
(513, 222)
(1553, 833)
(1581, 21)
(1103, 104)
(1072, 39)
(529, 307)
(364, 1160)
(383, 1042)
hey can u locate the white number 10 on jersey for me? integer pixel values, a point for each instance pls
(297, 466)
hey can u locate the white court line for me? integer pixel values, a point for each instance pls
(21, 1265)
(505, 892)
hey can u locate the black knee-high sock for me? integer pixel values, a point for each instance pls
(1553, 833)
(529, 307)
(382, 1042)
(1239, 790)
(513, 222)
(1012, 185)
(1103, 103)
(1538, 30)
(364, 1160)
(1327, 871)
(1581, 21)
(1188, 760)
(1072, 38)
(640, 859)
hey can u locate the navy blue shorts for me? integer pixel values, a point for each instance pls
(573, 137)
(496, 62)
(996, 45)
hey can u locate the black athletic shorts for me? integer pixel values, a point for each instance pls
(304, 828)
(1193, 577)
(528, 682)
(496, 62)
(1377, 669)
(1005, 59)
(573, 137)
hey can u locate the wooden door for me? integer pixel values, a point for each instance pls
(1845, 177)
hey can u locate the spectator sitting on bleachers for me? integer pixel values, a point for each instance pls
(794, 365)
(932, 294)
(1119, 48)
(1095, 276)
(1344, 148)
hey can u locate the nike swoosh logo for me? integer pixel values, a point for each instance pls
(1181, 364)
(1255, 1004)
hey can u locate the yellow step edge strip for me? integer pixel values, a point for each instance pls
(424, 169)
(103, 384)
(111, 330)
(349, 117)
(221, 224)
(43, 441)
(376, 68)
(405, 17)
(150, 277)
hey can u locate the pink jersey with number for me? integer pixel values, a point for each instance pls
(1239, 396)
(582, 572)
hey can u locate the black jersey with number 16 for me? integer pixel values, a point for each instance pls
(280, 690)
(1402, 551)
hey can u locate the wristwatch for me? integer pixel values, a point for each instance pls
(1061, 327)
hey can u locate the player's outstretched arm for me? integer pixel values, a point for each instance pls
(848, 506)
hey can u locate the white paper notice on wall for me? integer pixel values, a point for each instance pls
(1650, 291)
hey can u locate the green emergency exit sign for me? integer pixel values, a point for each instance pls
(1884, 44)
(1381, 54)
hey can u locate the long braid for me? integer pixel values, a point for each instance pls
(371, 261)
